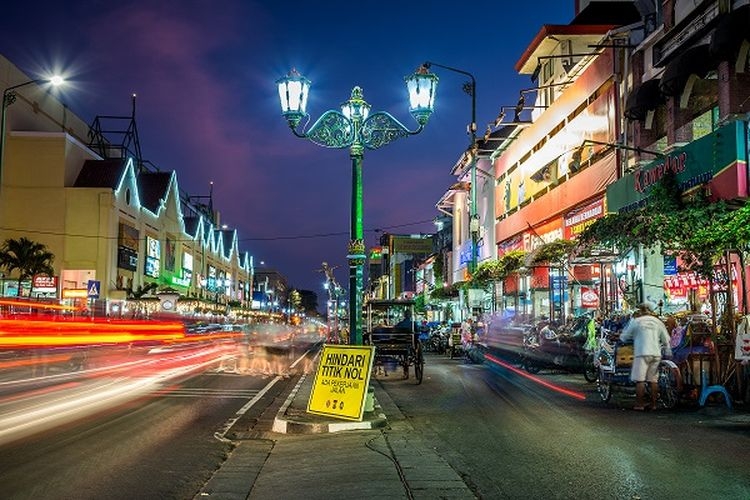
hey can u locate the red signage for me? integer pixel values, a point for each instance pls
(589, 298)
(45, 282)
(577, 220)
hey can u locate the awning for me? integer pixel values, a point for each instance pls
(732, 29)
(644, 97)
(696, 60)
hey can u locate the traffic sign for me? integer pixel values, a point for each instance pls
(341, 381)
(93, 288)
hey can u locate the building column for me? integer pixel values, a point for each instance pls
(734, 90)
(679, 126)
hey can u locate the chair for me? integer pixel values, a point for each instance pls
(707, 390)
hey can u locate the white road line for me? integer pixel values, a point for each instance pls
(221, 434)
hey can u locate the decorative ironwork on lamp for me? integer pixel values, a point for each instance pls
(354, 127)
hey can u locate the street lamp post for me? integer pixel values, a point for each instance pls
(470, 88)
(355, 128)
(9, 97)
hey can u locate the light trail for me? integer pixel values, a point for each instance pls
(28, 413)
(562, 390)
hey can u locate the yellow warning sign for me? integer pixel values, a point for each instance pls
(341, 381)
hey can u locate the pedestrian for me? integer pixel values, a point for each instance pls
(650, 338)
(467, 331)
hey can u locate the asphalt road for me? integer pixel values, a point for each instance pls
(511, 437)
(506, 435)
(162, 445)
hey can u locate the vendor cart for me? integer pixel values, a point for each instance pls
(615, 360)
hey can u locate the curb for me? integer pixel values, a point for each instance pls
(285, 424)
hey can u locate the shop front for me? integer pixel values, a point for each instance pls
(716, 162)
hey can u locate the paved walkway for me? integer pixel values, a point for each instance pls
(312, 457)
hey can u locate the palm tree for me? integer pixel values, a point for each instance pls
(27, 257)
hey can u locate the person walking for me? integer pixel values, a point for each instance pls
(650, 338)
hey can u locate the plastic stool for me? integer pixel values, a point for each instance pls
(710, 389)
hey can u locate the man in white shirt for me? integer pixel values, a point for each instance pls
(649, 336)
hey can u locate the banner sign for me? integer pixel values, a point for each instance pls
(579, 219)
(45, 283)
(715, 159)
(341, 381)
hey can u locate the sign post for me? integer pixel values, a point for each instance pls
(341, 381)
(92, 293)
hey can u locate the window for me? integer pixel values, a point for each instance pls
(705, 123)
(153, 257)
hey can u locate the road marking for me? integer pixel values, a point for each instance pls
(221, 434)
(188, 392)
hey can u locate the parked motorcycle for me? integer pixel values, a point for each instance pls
(437, 340)
(543, 347)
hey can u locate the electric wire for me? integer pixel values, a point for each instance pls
(392, 457)
(188, 240)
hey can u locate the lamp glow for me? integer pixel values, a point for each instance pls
(421, 86)
(293, 92)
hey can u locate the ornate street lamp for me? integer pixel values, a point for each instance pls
(470, 88)
(9, 97)
(354, 127)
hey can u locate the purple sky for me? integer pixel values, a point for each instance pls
(207, 106)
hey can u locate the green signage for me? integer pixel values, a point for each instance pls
(695, 163)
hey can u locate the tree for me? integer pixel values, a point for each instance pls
(693, 227)
(27, 257)
(498, 269)
(295, 301)
(142, 290)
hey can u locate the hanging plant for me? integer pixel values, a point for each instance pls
(554, 252)
(445, 293)
(694, 228)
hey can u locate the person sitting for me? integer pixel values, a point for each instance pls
(406, 324)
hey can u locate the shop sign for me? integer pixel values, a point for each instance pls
(541, 235)
(127, 258)
(341, 382)
(670, 265)
(464, 255)
(559, 289)
(589, 298)
(376, 255)
(75, 293)
(180, 281)
(412, 246)
(679, 284)
(153, 257)
(45, 283)
(705, 160)
(579, 219)
(514, 243)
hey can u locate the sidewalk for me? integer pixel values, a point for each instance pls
(309, 456)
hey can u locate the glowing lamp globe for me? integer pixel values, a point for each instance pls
(422, 86)
(293, 91)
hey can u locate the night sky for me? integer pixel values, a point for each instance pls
(207, 107)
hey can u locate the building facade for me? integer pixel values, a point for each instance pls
(623, 92)
(111, 222)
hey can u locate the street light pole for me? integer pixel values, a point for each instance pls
(355, 128)
(9, 97)
(470, 88)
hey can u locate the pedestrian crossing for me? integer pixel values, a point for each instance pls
(205, 392)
